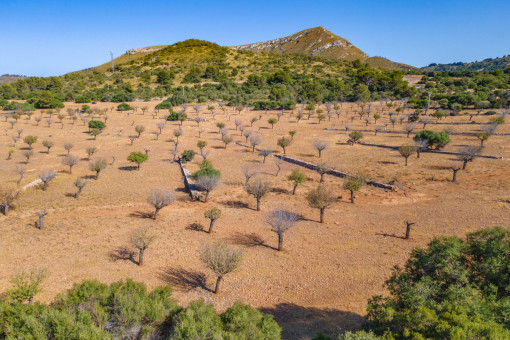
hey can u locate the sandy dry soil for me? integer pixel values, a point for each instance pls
(323, 278)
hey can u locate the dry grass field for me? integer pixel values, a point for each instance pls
(326, 273)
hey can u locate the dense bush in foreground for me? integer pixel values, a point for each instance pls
(92, 310)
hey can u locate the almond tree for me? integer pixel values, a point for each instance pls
(70, 161)
(409, 128)
(258, 188)
(201, 144)
(139, 129)
(29, 140)
(322, 169)
(455, 168)
(46, 177)
(247, 134)
(320, 146)
(80, 183)
(98, 165)
(227, 140)
(213, 214)
(222, 259)
(159, 199)
(406, 151)
(248, 173)
(265, 152)
(320, 198)
(68, 147)
(254, 141)
(141, 239)
(27, 154)
(283, 142)
(353, 184)
(90, 150)
(280, 221)
(8, 197)
(468, 154)
(20, 170)
(207, 183)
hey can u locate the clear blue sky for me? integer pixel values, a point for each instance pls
(44, 37)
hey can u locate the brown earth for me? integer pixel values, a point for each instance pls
(323, 278)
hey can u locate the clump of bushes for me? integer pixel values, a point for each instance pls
(124, 107)
(434, 139)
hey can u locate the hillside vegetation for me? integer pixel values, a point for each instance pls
(489, 64)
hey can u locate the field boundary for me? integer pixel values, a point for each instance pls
(187, 179)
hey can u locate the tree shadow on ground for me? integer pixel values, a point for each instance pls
(123, 254)
(249, 240)
(299, 322)
(390, 235)
(184, 280)
(237, 205)
(196, 227)
(128, 168)
(141, 214)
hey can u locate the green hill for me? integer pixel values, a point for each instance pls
(489, 64)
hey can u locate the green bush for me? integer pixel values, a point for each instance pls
(174, 116)
(206, 169)
(96, 124)
(433, 139)
(124, 107)
(187, 155)
(497, 120)
(82, 99)
(452, 289)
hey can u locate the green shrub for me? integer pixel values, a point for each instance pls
(206, 169)
(433, 139)
(497, 120)
(187, 155)
(174, 116)
(82, 99)
(96, 124)
(124, 107)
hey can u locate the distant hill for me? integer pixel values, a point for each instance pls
(489, 64)
(318, 41)
(10, 78)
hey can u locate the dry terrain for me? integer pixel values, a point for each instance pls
(326, 273)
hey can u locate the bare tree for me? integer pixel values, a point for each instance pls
(248, 173)
(320, 146)
(280, 221)
(408, 229)
(68, 147)
(322, 169)
(141, 239)
(70, 161)
(161, 126)
(159, 199)
(254, 141)
(46, 177)
(320, 198)
(237, 123)
(258, 188)
(420, 145)
(207, 184)
(80, 183)
(222, 259)
(139, 129)
(265, 152)
(279, 164)
(90, 150)
(468, 154)
(455, 168)
(20, 170)
(226, 139)
(8, 197)
(213, 214)
(409, 128)
(98, 165)
(247, 134)
(41, 215)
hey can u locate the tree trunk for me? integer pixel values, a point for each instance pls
(217, 288)
(406, 160)
(320, 153)
(352, 196)
(206, 196)
(408, 230)
(139, 166)
(78, 193)
(70, 169)
(280, 241)
(6, 209)
(322, 178)
(264, 159)
(97, 175)
(19, 180)
(45, 186)
(294, 190)
(418, 153)
(30, 300)
(283, 150)
(454, 179)
(156, 213)
(322, 215)
(41, 222)
(464, 163)
(211, 226)
(258, 204)
(140, 257)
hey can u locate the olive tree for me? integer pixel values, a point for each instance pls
(222, 259)
(68, 147)
(254, 141)
(283, 142)
(297, 177)
(406, 151)
(322, 169)
(138, 158)
(227, 140)
(320, 198)
(97, 166)
(455, 167)
(212, 214)
(201, 144)
(90, 150)
(353, 184)
(159, 199)
(28, 154)
(141, 239)
(30, 140)
(258, 188)
(139, 129)
(280, 221)
(48, 144)
(265, 152)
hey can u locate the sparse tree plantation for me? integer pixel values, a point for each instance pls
(323, 276)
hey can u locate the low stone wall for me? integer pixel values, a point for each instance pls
(472, 134)
(187, 178)
(312, 166)
(32, 184)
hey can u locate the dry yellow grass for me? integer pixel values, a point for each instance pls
(322, 280)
